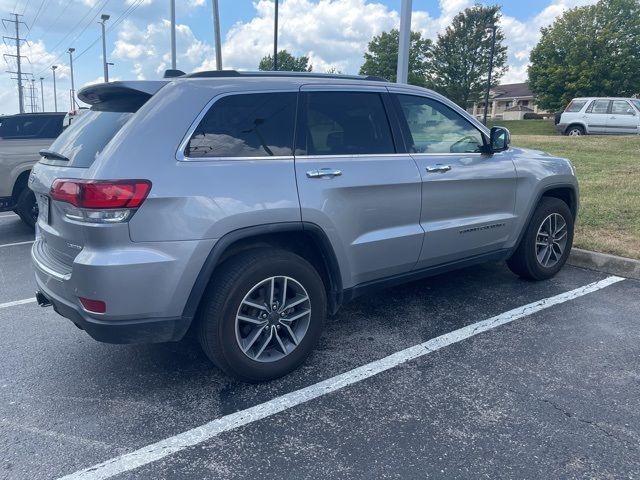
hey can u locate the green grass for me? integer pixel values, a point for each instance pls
(609, 175)
(526, 127)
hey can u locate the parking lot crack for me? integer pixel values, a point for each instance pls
(573, 416)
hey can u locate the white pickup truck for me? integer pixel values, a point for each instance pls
(22, 136)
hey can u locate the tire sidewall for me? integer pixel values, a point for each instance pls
(24, 208)
(546, 208)
(296, 268)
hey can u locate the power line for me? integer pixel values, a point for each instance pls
(42, 3)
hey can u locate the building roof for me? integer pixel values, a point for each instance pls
(512, 90)
(519, 108)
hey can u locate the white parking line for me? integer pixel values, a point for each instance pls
(16, 243)
(17, 302)
(177, 443)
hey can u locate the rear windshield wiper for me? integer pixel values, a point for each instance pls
(51, 155)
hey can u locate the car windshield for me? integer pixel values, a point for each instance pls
(636, 103)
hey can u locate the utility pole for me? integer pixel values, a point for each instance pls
(17, 56)
(493, 29)
(34, 100)
(275, 39)
(73, 88)
(42, 92)
(55, 93)
(402, 72)
(216, 34)
(104, 17)
(173, 34)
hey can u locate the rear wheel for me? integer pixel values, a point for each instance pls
(27, 207)
(546, 244)
(262, 314)
(575, 131)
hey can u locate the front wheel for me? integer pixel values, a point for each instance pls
(262, 315)
(547, 241)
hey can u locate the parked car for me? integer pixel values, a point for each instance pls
(268, 200)
(600, 116)
(22, 136)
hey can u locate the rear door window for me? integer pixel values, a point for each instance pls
(575, 106)
(344, 123)
(246, 125)
(31, 126)
(599, 106)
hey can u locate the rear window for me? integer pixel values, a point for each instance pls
(83, 141)
(575, 106)
(31, 126)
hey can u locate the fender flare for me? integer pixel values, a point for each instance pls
(335, 291)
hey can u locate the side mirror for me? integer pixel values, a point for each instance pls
(499, 139)
(631, 112)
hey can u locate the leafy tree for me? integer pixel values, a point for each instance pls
(381, 59)
(286, 63)
(460, 64)
(589, 51)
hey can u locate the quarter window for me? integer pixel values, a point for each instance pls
(620, 107)
(247, 125)
(575, 106)
(344, 123)
(436, 128)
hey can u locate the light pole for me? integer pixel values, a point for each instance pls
(173, 34)
(107, 67)
(104, 17)
(42, 92)
(216, 34)
(73, 87)
(402, 73)
(34, 101)
(275, 39)
(493, 29)
(55, 94)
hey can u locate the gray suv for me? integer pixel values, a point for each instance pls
(245, 207)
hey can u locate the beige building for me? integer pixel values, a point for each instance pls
(508, 102)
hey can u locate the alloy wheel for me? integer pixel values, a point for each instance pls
(272, 319)
(551, 240)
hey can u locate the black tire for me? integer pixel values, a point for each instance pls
(524, 262)
(575, 130)
(27, 207)
(234, 279)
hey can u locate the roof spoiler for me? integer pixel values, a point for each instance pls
(104, 92)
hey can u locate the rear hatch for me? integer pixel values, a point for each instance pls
(61, 238)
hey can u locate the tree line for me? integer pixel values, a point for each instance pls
(588, 51)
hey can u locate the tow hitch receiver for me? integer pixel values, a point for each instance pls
(42, 300)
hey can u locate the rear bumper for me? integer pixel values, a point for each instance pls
(145, 330)
(561, 128)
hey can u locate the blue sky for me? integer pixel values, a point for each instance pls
(333, 33)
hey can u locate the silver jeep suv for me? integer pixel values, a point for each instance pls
(245, 207)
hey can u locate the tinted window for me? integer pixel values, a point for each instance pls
(344, 123)
(575, 106)
(599, 106)
(620, 107)
(31, 126)
(636, 103)
(88, 135)
(249, 125)
(436, 128)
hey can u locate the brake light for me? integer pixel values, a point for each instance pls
(99, 195)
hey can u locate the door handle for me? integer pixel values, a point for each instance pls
(438, 168)
(324, 173)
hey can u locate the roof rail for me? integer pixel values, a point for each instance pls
(235, 73)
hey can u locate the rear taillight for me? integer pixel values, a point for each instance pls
(100, 201)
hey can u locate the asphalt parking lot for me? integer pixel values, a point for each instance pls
(554, 393)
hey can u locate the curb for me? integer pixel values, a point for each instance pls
(603, 262)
